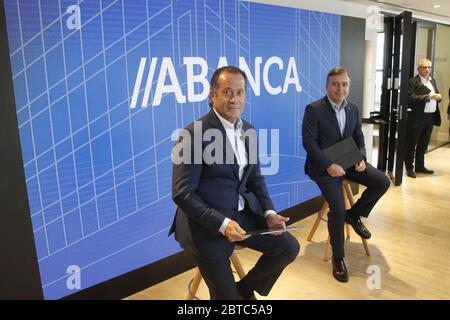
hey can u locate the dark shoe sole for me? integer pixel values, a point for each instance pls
(425, 172)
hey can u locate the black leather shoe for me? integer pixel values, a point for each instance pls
(424, 170)
(339, 270)
(358, 226)
(410, 173)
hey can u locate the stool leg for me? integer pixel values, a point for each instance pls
(347, 228)
(366, 246)
(237, 265)
(326, 255)
(349, 192)
(322, 211)
(194, 284)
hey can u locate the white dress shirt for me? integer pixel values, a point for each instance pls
(430, 106)
(234, 134)
(341, 116)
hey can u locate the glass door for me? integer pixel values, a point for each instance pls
(398, 68)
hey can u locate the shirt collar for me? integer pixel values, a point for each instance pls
(227, 124)
(423, 79)
(334, 105)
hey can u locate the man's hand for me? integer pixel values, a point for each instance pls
(360, 167)
(335, 170)
(234, 232)
(436, 96)
(274, 220)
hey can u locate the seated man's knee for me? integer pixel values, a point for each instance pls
(384, 184)
(292, 248)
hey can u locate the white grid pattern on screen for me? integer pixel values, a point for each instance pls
(88, 143)
(303, 39)
(312, 92)
(63, 277)
(68, 91)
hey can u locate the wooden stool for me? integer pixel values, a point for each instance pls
(195, 281)
(349, 202)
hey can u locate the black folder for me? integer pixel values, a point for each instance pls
(422, 90)
(344, 153)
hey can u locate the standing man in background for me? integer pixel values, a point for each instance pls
(423, 99)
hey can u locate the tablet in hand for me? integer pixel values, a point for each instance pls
(272, 230)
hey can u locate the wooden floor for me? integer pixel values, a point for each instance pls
(410, 245)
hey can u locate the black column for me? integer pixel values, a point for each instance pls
(19, 270)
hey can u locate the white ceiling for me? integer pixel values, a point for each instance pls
(421, 9)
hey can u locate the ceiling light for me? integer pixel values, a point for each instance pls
(436, 6)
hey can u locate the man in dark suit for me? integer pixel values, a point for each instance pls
(423, 100)
(217, 202)
(326, 122)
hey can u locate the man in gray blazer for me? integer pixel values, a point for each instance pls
(218, 202)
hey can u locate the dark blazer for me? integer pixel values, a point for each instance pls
(207, 193)
(417, 102)
(321, 130)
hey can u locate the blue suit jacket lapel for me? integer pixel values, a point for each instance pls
(332, 114)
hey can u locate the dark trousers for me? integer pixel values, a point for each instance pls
(418, 137)
(277, 253)
(377, 184)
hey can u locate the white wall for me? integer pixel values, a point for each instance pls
(421, 45)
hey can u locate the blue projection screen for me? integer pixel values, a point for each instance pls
(100, 86)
